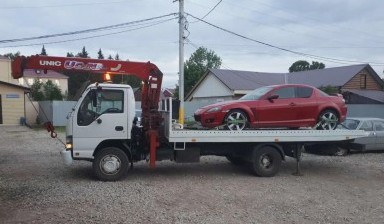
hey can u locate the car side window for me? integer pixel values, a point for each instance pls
(304, 92)
(366, 126)
(285, 92)
(379, 126)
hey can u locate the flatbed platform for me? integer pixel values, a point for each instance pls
(301, 135)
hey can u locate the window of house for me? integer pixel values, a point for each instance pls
(363, 81)
(57, 82)
(30, 81)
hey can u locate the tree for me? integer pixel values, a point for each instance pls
(110, 57)
(36, 90)
(100, 54)
(83, 53)
(199, 62)
(117, 57)
(45, 91)
(43, 51)
(52, 91)
(70, 54)
(12, 55)
(302, 65)
(329, 89)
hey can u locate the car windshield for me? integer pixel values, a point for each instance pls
(351, 124)
(257, 93)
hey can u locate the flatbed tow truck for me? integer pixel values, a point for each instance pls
(102, 126)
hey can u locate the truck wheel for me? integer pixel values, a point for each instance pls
(235, 160)
(110, 164)
(341, 151)
(266, 161)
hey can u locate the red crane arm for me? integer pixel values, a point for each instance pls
(146, 71)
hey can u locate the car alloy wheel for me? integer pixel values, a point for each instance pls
(328, 120)
(236, 120)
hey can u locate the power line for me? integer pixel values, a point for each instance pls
(87, 30)
(335, 60)
(90, 37)
(62, 5)
(208, 12)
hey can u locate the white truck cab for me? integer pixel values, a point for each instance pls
(104, 112)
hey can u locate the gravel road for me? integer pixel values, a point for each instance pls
(36, 187)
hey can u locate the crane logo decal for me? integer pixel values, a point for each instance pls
(117, 68)
(71, 64)
(50, 63)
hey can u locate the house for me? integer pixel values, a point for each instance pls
(358, 83)
(29, 76)
(12, 103)
(5, 71)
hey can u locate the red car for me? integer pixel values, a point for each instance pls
(278, 106)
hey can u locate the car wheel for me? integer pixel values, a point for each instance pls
(235, 120)
(110, 164)
(328, 120)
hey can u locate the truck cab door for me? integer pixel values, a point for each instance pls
(101, 115)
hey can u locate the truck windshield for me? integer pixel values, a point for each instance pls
(108, 101)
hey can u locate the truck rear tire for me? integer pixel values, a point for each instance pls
(266, 161)
(110, 164)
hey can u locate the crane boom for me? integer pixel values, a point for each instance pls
(146, 71)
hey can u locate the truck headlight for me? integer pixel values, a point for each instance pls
(69, 143)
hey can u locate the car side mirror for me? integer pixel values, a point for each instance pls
(273, 97)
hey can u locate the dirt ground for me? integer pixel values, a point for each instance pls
(36, 187)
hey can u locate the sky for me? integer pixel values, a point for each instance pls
(251, 35)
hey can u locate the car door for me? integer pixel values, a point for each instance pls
(277, 112)
(370, 140)
(305, 105)
(379, 133)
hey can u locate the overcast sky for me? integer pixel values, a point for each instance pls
(341, 32)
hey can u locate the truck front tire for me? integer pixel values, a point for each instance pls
(110, 164)
(266, 161)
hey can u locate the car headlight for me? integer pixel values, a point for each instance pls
(214, 109)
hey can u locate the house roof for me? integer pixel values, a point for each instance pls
(372, 94)
(337, 76)
(4, 57)
(32, 73)
(247, 80)
(14, 85)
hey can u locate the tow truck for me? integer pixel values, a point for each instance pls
(102, 126)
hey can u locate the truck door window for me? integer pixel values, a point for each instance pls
(107, 101)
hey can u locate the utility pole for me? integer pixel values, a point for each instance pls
(181, 61)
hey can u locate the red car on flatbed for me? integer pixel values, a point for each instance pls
(278, 106)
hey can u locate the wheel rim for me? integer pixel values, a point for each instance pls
(236, 121)
(265, 161)
(110, 164)
(328, 121)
